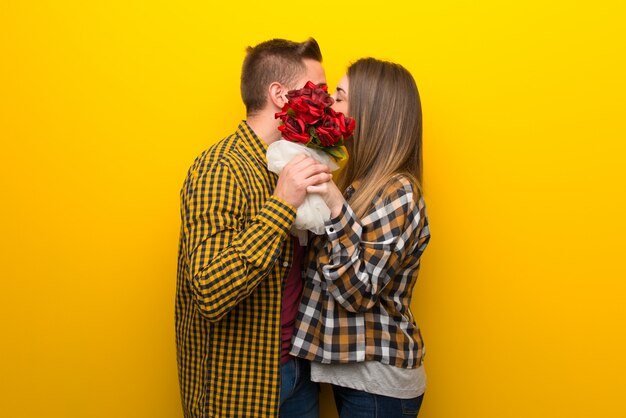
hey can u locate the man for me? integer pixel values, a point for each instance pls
(239, 278)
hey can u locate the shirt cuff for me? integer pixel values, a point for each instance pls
(343, 224)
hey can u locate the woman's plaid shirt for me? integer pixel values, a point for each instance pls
(359, 280)
(233, 256)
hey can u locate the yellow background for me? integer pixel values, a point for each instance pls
(104, 105)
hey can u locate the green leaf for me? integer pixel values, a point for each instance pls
(337, 152)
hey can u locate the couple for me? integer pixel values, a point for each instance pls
(260, 319)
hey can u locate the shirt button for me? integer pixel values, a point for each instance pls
(285, 264)
(331, 229)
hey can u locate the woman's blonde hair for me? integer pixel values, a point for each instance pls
(384, 100)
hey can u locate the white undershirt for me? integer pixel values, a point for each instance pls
(373, 377)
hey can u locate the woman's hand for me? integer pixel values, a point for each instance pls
(331, 194)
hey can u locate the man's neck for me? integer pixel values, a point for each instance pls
(264, 126)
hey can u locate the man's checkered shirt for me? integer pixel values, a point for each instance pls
(234, 254)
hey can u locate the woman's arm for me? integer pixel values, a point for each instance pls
(363, 255)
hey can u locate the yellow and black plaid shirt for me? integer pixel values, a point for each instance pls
(360, 276)
(233, 257)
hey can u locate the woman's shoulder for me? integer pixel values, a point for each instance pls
(400, 185)
(398, 199)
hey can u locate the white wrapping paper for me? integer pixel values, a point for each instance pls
(312, 214)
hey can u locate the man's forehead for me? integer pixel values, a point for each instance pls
(315, 71)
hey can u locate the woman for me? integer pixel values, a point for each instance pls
(354, 321)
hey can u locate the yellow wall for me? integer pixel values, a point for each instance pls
(104, 105)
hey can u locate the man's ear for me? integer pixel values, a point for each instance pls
(278, 94)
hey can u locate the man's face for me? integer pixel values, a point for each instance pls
(314, 73)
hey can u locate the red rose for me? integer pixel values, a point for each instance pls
(329, 132)
(306, 110)
(316, 95)
(284, 113)
(294, 130)
(320, 96)
(346, 125)
(304, 91)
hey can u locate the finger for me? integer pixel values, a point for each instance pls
(319, 189)
(318, 179)
(297, 159)
(307, 161)
(312, 170)
(309, 172)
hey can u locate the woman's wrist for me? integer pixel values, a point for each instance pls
(335, 211)
(336, 205)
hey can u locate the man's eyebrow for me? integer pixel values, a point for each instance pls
(322, 85)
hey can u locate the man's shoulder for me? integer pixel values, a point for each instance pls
(222, 152)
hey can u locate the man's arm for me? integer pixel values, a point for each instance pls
(227, 260)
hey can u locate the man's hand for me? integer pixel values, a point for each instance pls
(300, 173)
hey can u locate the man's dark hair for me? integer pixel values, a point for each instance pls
(276, 60)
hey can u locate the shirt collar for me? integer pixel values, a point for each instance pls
(252, 143)
(351, 189)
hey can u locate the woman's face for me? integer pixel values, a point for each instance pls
(341, 96)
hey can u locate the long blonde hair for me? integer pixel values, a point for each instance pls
(384, 101)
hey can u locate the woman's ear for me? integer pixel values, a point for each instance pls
(278, 93)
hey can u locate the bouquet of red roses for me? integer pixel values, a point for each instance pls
(309, 126)
(307, 118)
